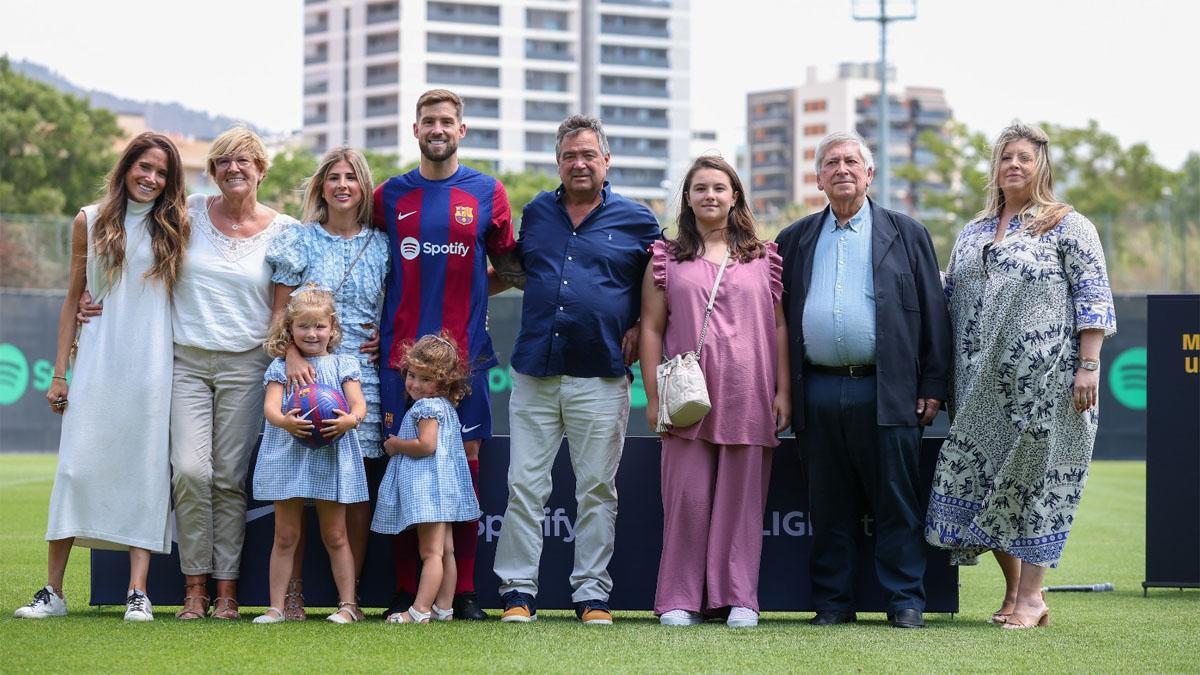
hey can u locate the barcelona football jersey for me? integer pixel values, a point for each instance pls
(440, 233)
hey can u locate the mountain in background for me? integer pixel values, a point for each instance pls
(165, 117)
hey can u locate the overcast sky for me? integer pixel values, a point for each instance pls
(1132, 66)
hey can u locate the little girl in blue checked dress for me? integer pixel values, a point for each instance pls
(427, 483)
(288, 473)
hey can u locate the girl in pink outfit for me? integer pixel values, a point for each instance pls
(715, 472)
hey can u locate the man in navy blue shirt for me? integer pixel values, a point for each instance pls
(584, 249)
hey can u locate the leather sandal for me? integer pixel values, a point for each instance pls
(226, 608)
(410, 615)
(195, 605)
(293, 601)
(1015, 622)
(347, 612)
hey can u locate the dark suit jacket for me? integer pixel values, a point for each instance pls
(912, 328)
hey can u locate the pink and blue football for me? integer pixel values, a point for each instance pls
(316, 403)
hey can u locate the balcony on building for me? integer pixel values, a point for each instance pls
(382, 106)
(634, 117)
(628, 146)
(383, 43)
(543, 80)
(546, 111)
(640, 26)
(471, 76)
(318, 53)
(548, 50)
(485, 139)
(474, 106)
(618, 85)
(546, 19)
(383, 12)
(450, 43)
(636, 177)
(623, 55)
(771, 112)
(457, 12)
(317, 87)
(660, 4)
(318, 114)
(316, 23)
(539, 141)
(382, 137)
(382, 74)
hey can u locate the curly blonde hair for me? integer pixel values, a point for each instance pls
(303, 302)
(439, 356)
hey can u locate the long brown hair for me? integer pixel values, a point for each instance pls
(744, 244)
(1043, 211)
(167, 223)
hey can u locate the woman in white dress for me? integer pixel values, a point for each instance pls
(112, 488)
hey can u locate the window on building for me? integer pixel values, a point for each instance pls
(545, 19)
(619, 85)
(814, 130)
(383, 43)
(538, 141)
(643, 26)
(480, 107)
(382, 137)
(627, 55)
(382, 106)
(543, 80)
(382, 73)
(810, 154)
(546, 111)
(452, 43)
(815, 105)
(636, 177)
(634, 116)
(488, 139)
(478, 76)
(316, 53)
(383, 12)
(549, 50)
(810, 178)
(488, 15)
(638, 147)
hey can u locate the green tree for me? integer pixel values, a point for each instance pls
(54, 148)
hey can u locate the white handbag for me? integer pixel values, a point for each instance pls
(682, 392)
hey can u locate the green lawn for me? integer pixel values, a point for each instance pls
(1090, 632)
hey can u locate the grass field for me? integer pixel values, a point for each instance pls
(1090, 632)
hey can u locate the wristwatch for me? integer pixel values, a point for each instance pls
(1089, 364)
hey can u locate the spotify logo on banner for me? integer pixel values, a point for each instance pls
(14, 374)
(1127, 378)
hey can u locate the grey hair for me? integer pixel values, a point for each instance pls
(844, 137)
(577, 123)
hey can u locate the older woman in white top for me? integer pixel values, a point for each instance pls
(222, 308)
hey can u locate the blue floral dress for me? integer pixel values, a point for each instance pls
(1013, 466)
(432, 489)
(307, 253)
(286, 469)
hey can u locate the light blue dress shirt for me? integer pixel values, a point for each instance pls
(839, 312)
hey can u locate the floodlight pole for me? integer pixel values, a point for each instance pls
(884, 161)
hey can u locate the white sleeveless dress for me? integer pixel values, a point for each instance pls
(113, 485)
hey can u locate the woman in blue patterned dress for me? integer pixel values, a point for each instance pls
(288, 472)
(335, 248)
(1030, 306)
(428, 484)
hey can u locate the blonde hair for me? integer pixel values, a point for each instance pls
(303, 302)
(1043, 210)
(315, 207)
(235, 140)
(439, 356)
(167, 223)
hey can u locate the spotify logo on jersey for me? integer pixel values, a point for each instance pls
(14, 374)
(410, 248)
(1127, 378)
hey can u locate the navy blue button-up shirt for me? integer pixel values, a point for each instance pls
(583, 286)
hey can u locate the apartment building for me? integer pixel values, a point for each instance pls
(521, 66)
(784, 127)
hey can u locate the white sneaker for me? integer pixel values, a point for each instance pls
(46, 603)
(680, 617)
(742, 617)
(138, 607)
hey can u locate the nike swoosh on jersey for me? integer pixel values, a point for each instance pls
(467, 430)
(402, 216)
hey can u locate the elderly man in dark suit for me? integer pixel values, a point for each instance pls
(870, 354)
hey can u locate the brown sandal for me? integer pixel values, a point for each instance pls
(293, 601)
(227, 609)
(195, 605)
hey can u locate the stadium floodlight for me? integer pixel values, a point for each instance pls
(884, 12)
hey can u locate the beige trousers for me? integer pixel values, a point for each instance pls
(216, 415)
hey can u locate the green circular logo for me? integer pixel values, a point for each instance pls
(14, 374)
(1127, 378)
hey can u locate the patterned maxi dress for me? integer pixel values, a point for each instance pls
(308, 253)
(1012, 469)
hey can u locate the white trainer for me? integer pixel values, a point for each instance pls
(680, 617)
(138, 607)
(742, 617)
(46, 603)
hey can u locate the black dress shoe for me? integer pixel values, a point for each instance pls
(401, 601)
(907, 618)
(830, 618)
(466, 607)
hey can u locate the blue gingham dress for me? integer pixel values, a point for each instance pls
(286, 469)
(307, 253)
(433, 489)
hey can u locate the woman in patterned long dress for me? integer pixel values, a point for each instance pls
(336, 249)
(112, 488)
(715, 472)
(1030, 306)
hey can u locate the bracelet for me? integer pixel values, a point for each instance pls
(59, 377)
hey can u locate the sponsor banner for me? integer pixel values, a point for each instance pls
(31, 320)
(787, 536)
(1173, 443)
